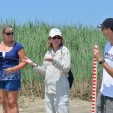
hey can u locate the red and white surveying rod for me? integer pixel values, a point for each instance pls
(94, 84)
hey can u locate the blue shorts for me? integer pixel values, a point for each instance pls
(10, 85)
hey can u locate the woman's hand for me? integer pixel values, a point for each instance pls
(10, 70)
(48, 59)
(29, 61)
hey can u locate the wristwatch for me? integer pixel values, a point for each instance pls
(102, 61)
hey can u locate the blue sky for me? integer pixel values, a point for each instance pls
(57, 12)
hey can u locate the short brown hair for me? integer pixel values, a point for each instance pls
(50, 44)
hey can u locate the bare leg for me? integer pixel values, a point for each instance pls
(13, 101)
(4, 101)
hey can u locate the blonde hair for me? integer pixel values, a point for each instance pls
(5, 27)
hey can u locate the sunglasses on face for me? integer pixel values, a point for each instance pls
(56, 37)
(9, 33)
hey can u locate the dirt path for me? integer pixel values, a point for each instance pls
(37, 106)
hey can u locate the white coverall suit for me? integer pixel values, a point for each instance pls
(56, 82)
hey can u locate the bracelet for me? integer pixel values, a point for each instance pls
(102, 61)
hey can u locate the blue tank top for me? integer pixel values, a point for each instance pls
(10, 59)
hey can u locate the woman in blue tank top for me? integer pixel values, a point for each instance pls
(11, 55)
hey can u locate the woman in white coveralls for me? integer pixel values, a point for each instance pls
(56, 66)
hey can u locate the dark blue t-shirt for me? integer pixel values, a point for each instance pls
(10, 59)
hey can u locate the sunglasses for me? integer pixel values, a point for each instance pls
(56, 37)
(10, 33)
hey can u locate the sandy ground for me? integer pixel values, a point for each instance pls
(36, 105)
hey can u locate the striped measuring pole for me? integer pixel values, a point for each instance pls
(94, 85)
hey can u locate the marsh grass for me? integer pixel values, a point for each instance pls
(80, 41)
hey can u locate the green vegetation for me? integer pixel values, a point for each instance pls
(80, 41)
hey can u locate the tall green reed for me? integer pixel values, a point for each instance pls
(80, 41)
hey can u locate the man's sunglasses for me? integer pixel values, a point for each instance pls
(57, 37)
(103, 28)
(10, 33)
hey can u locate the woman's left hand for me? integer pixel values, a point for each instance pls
(9, 70)
(48, 59)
